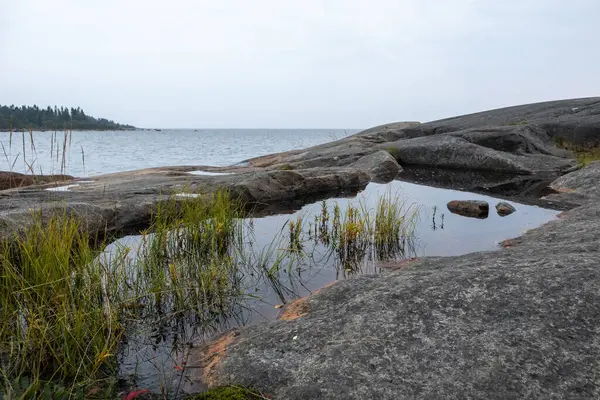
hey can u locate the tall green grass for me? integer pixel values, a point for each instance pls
(67, 306)
(55, 321)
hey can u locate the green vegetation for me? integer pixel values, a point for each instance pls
(519, 123)
(286, 167)
(56, 323)
(393, 151)
(228, 393)
(583, 154)
(24, 117)
(67, 307)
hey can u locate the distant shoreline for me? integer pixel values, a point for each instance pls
(74, 130)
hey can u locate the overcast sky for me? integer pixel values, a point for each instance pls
(286, 64)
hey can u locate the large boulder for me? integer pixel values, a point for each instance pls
(380, 166)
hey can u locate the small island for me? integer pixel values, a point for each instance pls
(53, 118)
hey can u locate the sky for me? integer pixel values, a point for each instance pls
(295, 64)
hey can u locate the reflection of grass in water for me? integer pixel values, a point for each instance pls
(188, 263)
(354, 236)
(64, 310)
(387, 231)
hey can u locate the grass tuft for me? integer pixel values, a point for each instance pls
(583, 154)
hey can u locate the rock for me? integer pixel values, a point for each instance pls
(519, 322)
(556, 118)
(122, 203)
(10, 180)
(456, 152)
(503, 209)
(469, 208)
(380, 166)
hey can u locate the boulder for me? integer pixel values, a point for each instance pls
(380, 166)
(469, 208)
(503, 208)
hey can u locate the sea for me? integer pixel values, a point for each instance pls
(91, 153)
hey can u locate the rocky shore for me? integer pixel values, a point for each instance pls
(522, 321)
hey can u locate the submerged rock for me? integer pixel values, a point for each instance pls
(469, 208)
(503, 209)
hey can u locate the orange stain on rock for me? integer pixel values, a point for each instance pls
(208, 357)
(299, 307)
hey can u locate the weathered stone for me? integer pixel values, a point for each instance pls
(503, 208)
(10, 180)
(469, 208)
(380, 166)
(450, 151)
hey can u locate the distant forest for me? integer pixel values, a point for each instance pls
(57, 118)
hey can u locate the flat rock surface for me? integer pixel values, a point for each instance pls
(520, 322)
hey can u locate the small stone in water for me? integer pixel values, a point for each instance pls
(503, 209)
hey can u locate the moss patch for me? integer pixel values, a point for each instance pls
(228, 393)
(583, 154)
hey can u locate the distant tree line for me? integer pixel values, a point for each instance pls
(56, 118)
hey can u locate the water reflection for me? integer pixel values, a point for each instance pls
(278, 258)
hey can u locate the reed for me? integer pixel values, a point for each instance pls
(65, 305)
(54, 325)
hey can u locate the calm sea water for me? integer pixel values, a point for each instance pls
(90, 153)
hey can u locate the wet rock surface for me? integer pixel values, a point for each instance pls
(520, 322)
(469, 208)
(503, 209)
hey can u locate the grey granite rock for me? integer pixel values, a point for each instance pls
(520, 322)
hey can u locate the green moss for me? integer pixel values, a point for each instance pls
(583, 154)
(286, 167)
(228, 393)
(520, 123)
(393, 151)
